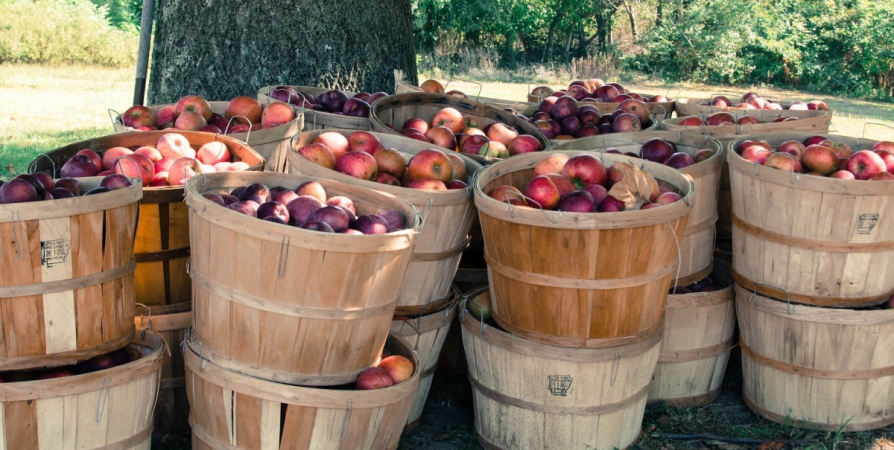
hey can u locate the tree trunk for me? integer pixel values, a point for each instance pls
(551, 37)
(630, 7)
(235, 47)
(659, 13)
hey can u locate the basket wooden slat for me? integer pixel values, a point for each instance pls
(270, 144)
(448, 217)
(234, 411)
(816, 367)
(813, 240)
(698, 338)
(425, 335)
(107, 409)
(320, 120)
(161, 248)
(697, 243)
(530, 395)
(172, 408)
(66, 277)
(292, 305)
(394, 110)
(582, 279)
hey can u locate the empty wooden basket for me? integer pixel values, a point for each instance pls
(534, 396)
(580, 279)
(447, 217)
(813, 367)
(698, 338)
(161, 248)
(233, 411)
(813, 240)
(287, 304)
(697, 244)
(66, 277)
(107, 409)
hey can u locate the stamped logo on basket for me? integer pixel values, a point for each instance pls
(559, 384)
(54, 251)
(866, 222)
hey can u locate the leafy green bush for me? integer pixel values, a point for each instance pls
(62, 32)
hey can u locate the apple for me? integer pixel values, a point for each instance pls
(138, 116)
(667, 198)
(691, 121)
(276, 114)
(547, 104)
(680, 160)
(881, 176)
(459, 167)
(165, 117)
(319, 154)
(430, 163)
(390, 161)
(450, 118)
(783, 161)
(493, 149)
(442, 137)
(247, 107)
(193, 103)
(78, 166)
(626, 123)
(213, 152)
(272, 208)
(333, 216)
(301, 208)
(398, 367)
(135, 166)
(578, 92)
(471, 122)
(181, 170)
(545, 128)
(748, 120)
(508, 194)
(357, 164)
(564, 106)
(656, 150)
(840, 148)
(432, 86)
(551, 164)
(501, 133)
(883, 145)
(637, 108)
(564, 185)
(721, 101)
(817, 105)
(173, 145)
(703, 155)
(611, 204)
(375, 96)
(472, 144)
(356, 107)
(543, 191)
(793, 148)
(417, 124)
(363, 141)
(374, 377)
(888, 158)
(719, 118)
(584, 170)
(336, 142)
(606, 93)
(160, 179)
(864, 164)
(427, 183)
(756, 154)
(820, 159)
(111, 155)
(237, 166)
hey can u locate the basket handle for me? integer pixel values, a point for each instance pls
(661, 117)
(876, 124)
(33, 166)
(790, 308)
(115, 118)
(605, 146)
(148, 320)
(136, 164)
(523, 196)
(230, 122)
(678, 88)
(465, 81)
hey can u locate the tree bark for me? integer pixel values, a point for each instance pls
(551, 36)
(235, 47)
(630, 7)
(659, 14)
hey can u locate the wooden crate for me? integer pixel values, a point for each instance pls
(162, 243)
(813, 240)
(234, 411)
(448, 216)
(698, 338)
(172, 408)
(819, 368)
(67, 277)
(697, 244)
(581, 279)
(270, 144)
(424, 334)
(107, 409)
(530, 395)
(287, 304)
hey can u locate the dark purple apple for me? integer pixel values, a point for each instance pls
(611, 204)
(302, 208)
(78, 166)
(228, 199)
(215, 198)
(570, 125)
(588, 114)
(317, 226)
(97, 190)
(333, 216)
(38, 186)
(597, 191)
(565, 106)
(371, 224)
(335, 101)
(56, 372)
(356, 107)
(375, 96)
(680, 160)
(58, 193)
(543, 125)
(626, 123)
(656, 150)
(101, 362)
(115, 181)
(18, 190)
(577, 201)
(45, 179)
(394, 219)
(256, 192)
(275, 219)
(238, 191)
(248, 207)
(587, 131)
(72, 185)
(273, 209)
(341, 200)
(284, 197)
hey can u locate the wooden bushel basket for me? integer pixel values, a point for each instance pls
(319, 120)
(820, 368)
(233, 411)
(286, 304)
(692, 106)
(425, 335)
(447, 217)
(270, 144)
(698, 338)
(697, 243)
(162, 245)
(172, 408)
(533, 396)
(581, 279)
(813, 240)
(103, 410)
(66, 277)
(525, 108)
(394, 110)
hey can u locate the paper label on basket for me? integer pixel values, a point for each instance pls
(559, 385)
(866, 222)
(636, 188)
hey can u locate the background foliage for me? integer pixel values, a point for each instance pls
(833, 46)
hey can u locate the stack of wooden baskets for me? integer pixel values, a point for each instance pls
(427, 301)
(285, 320)
(578, 301)
(67, 297)
(811, 256)
(161, 250)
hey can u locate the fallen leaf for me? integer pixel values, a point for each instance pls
(636, 188)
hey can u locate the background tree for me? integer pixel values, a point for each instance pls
(229, 48)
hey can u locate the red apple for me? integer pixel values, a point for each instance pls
(138, 116)
(543, 191)
(784, 162)
(336, 142)
(656, 150)
(363, 141)
(459, 167)
(691, 121)
(680, 160)
(565, 106)
(667, 198)
(418, 124)
(193, 103)
(864, 164)
(389, 160)
(374, 378)
(819, 159)
(357, 164)
(246, 107)
(501, 133)
(213, 152)
(793, 148)
(427, 183)
(626, 123)
(319, 154)
(756, 154)
(276, 114)
(450, 118)
(637, 108)
(508, 194)
(430, 163)
(387, 178)
(719, 118)
(524, 143)
(135, 166)
(173, 145)
(551, 164)
(442, 137)
(564, 185)
(584, 170)
(165, 117)
(882, 176)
